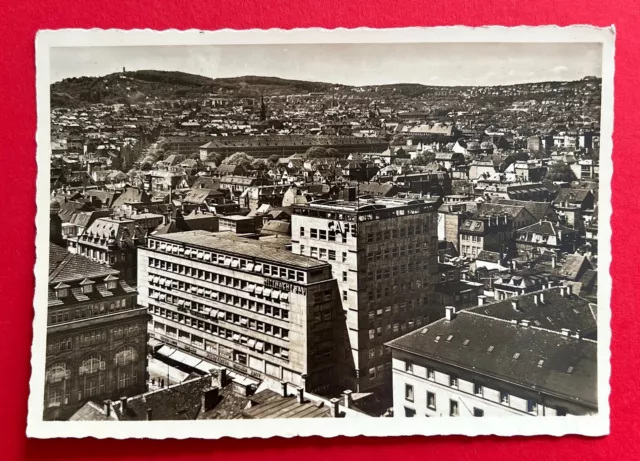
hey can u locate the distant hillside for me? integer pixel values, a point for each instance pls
(123, 87)
(138, 86)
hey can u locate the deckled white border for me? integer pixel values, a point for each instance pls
(588, 425)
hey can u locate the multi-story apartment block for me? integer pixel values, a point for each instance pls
(471, 364)
(96, 335)
(383, 252)
(490, 233)
(247, 305)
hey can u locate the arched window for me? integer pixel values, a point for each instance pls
(126, 356)
(57, 372)
(92, 364)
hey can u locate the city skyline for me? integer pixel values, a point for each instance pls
(434, 64)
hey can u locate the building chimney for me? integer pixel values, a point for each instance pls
(335, 407)
(524, 323)
(515, 303)
(569, 290)
(219, 378)
(123, 403)
(107, 408)
(209, 398)
(536, 301)
(565, 332)
(577, 334)
(284, 388)
(554, 261)
(541, 296)
(301, 395)
(149, 414)
(481, 300)
(348, 399)
(450, 313)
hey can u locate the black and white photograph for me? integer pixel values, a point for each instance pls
(323, 232)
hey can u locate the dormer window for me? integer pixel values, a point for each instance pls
(62, 290)
(111, 282)
(87, 286)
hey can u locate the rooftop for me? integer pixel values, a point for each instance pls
(223, 243)
(365, 204)
(531, 357)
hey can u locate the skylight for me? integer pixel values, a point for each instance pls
(540, 362)
(516, 355)
(466, 342)
(491, 348)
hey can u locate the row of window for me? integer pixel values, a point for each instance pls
(226, 261)
(58, 395)
(224, 333)
(470, 238)
(218, 297)
(323, 254)
(92, 339)
(383, 254)
(328, 235)
(388, 290)
(91, 310)
(94, 363)
(379, 371)
(478, 389)
(410, 267)
(258, 291)
(395, 328)
(400, 232)
(235, 319)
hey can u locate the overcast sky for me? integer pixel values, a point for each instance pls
(352, 64)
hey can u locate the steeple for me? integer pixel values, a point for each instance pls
(263, 109)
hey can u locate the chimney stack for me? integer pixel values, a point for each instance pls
(569, 290)
(335, 407)
(284, 388)
(565, 332)
(123, 403)
(554, 261)
(577, 335)
(209, 399)
(515, 303)
(541, 296)
(536, 301)
(219, 378)
(300, 395)
(481, 300)
(348, 399)
(524, 323)
(450, 313)
(149, 414)
(107, 408)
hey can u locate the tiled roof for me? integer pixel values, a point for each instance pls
(548, 361)
(554, 313)
(573, 265)
(539, 210)
(271, 405)
(65, 266)
(545, 228)
(220, 242)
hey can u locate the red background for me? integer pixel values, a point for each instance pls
(19, 22)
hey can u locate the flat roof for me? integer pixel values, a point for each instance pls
(223, 243)
(367, 203)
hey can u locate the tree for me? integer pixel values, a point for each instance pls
(559, 171)
(239, 158)
(259, 164)
(424, 159)
(315, 152)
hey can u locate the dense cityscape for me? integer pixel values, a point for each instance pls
(253, 247)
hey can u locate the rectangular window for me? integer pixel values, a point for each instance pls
(302, 232)
(453, 381)
(344, 257)
(504, 398)
(408, 366)
(344, 276)
(408, 392)
(532, 406)
(314, 233)
(478, 412)
(453, 408)
(431, 400)
(323, 235)
(477, 389)
(323, 253)
(431, 374)
(409, 412)
(332, 255)
(344, 295)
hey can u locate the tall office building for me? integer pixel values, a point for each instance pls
(383, 252)
(244, 304)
